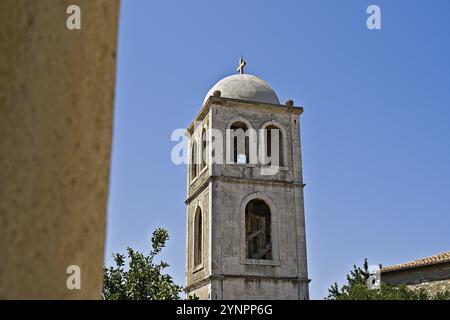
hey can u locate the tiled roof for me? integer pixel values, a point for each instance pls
(428, 261)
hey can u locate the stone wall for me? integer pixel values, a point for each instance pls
(195, 274)
(417, 275)
(56, 106)
(260, 289)
(432, 287)
(432, 278)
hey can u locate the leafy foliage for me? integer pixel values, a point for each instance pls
(143, 279)
(357, 289)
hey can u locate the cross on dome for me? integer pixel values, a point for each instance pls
(242, 64)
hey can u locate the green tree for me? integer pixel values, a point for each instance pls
(143, 279)
(356, 289)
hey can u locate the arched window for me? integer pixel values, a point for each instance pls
(193, 159)
(204, 152)
(198, 237)
(258, 241)
(272, 132)
(240, 141)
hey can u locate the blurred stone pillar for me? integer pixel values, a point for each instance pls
(56, 114)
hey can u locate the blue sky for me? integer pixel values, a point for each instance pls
(375, 128)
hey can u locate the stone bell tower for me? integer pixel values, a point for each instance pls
(245, 213)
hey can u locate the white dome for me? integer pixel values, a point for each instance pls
(245, 87)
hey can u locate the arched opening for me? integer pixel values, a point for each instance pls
(258, 226)
(198, 237)
(204, 152)
(240, 141)
(274, 141)
(194, 159)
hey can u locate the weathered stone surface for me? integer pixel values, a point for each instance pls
(418, 275)
(56, 106)
(433, 278)
(245, 87)
(433, 287)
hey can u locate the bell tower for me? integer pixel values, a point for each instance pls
(245, 209)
